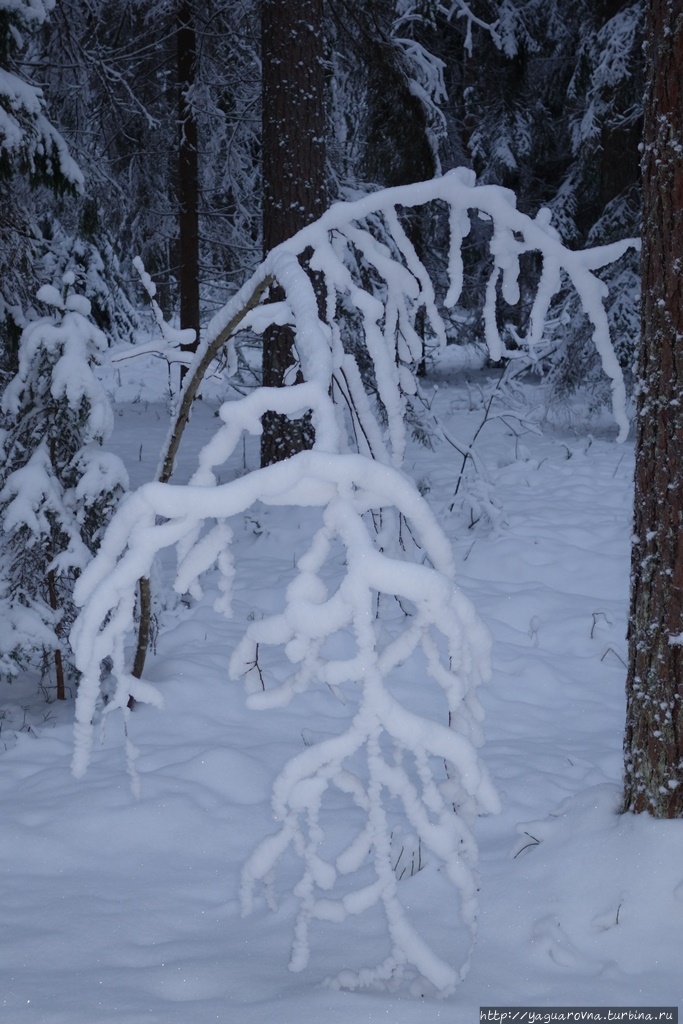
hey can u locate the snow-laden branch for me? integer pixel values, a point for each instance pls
(371, 270)
(390, 761)
(389, 757)
(410, 12)
(401, 288)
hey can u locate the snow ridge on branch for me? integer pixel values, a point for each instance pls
(368, 233)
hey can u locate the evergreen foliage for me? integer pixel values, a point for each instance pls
(33, 157)
(114, 85)
(58, 486)
(544, 98)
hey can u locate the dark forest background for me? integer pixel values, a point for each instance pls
(135, 128)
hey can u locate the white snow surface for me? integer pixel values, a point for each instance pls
(127, 909)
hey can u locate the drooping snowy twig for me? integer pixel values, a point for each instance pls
(398, 752)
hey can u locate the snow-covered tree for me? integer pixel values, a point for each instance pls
(390, 760)
(599, 197)
(34, 158)
(29, 143)
(122, 77)
(59, 486)
(384, 118)
(392, 763)
(545, 99)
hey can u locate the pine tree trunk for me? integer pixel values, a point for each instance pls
(188, 173)
(653, 745)
(293, 147)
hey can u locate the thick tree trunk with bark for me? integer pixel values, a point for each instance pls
(653, 745)
(293, 147)
(188, 172)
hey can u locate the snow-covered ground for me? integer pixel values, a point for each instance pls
(123, 909)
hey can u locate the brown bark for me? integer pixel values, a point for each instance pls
(293, 148)
(189, 394)
(59, 664)
(144, 631)
(653, 744)
(188, 174)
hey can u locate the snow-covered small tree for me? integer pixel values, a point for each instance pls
(398, 759)
(99, 277)
(58, 487)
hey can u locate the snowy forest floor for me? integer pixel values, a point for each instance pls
(123, 909)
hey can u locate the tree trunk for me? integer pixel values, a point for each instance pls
(188, 173)
(293, 148)
(57, 654)
(653, 745)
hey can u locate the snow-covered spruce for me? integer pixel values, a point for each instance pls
(58, 486)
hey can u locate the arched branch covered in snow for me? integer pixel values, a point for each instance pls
(371, 270)
(391, 763)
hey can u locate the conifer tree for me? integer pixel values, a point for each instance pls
(33, 154)
(58, 485)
